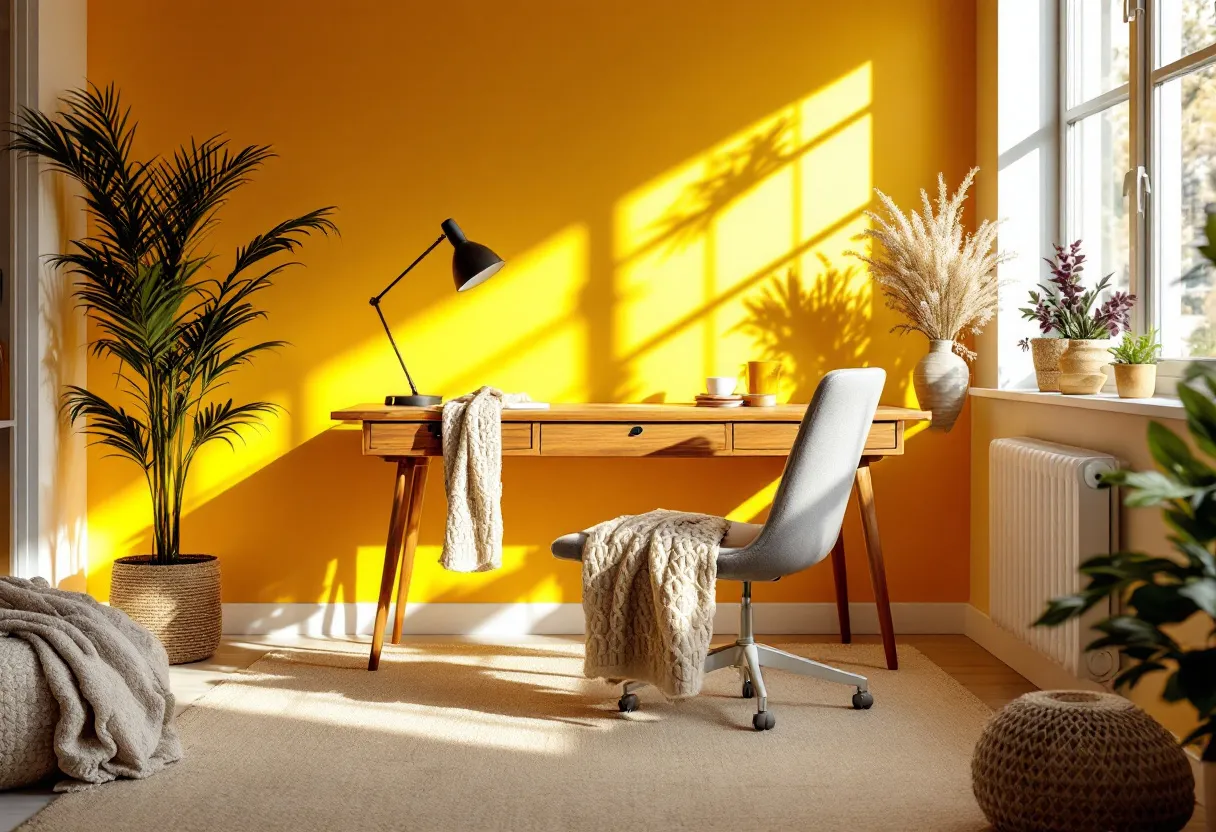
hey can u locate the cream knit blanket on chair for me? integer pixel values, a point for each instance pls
(648, 598)
(472, 477)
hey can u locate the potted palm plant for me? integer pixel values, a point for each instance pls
(1066, 308)
(1136, 365)
(170, 319)
(943, 281)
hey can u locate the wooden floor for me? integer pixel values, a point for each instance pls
(992, 681)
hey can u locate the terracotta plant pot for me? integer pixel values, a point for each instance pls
(1081, 366)
(1046, 353)
(941, 379)
(1136, 381)
(179, 603)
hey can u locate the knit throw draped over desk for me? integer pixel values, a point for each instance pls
(472, 477)
(648, 598)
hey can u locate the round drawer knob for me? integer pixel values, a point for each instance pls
(636, 430)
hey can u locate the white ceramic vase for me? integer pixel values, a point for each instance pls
(941, 380)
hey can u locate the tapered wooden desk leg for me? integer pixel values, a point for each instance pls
(392, 553)
(413, 519)
(878, 573)
(842, 589)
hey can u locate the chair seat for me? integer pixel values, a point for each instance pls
(737, 537)
(569, 546)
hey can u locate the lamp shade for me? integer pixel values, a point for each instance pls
(472, 263)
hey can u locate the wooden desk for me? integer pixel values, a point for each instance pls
(410, 436)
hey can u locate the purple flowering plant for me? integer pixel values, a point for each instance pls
(1066, 309)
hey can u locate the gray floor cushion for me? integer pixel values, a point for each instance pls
(28, 714)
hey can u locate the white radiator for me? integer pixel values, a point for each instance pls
(1046, 515)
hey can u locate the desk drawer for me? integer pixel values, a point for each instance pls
(633, 439)
(778, 437)
(423, 438)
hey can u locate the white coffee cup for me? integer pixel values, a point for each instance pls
(721, 385)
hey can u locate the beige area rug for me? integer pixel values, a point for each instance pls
(470, 737)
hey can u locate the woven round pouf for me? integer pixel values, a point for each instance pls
(28, 715)
(1077, 761)
(179, 602)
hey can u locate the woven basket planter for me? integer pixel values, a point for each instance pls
(1046, 354)
(178, 603)
(1076, 761)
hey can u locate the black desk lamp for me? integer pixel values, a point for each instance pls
(472, 265)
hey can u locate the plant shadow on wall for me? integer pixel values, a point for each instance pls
(729, 175)
(810, 329)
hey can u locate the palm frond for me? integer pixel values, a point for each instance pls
(223, 421)
(108, 425)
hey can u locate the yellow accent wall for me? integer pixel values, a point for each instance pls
(673, 185)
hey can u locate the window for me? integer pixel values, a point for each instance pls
(1183, 107)
(1138, 102)
(1097, 136)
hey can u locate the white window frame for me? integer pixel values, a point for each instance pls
(1140, 92)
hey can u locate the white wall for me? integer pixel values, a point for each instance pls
(50, 341)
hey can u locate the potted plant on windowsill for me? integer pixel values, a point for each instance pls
(169, 318)
(1136, 365)
(1067, 309)
(943, 281)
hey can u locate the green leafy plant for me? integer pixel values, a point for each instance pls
(1137, 349)
(163, 310)
(1159, 592)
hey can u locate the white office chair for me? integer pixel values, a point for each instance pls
(802, 526)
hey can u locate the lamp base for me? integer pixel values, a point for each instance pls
(412, 401)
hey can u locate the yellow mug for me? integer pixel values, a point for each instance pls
(763, 376)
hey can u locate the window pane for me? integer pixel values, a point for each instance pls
(1100, 41)
(1185, 184)
(1183, 27)
(1098, 155)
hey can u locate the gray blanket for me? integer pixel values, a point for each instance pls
(109, 676)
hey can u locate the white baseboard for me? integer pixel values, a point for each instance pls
(1039, 670)
(499, 620)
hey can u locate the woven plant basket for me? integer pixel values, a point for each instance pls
(179, 603)
(1076, 761)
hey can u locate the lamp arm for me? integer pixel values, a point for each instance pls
(375, 302)
(400, 360)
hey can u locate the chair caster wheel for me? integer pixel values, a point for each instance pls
(862, 701)
(628, 703)
(764, 721)
(748, 690)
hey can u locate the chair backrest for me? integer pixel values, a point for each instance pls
(809, 506)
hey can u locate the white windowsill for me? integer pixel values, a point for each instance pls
(1161, 407)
